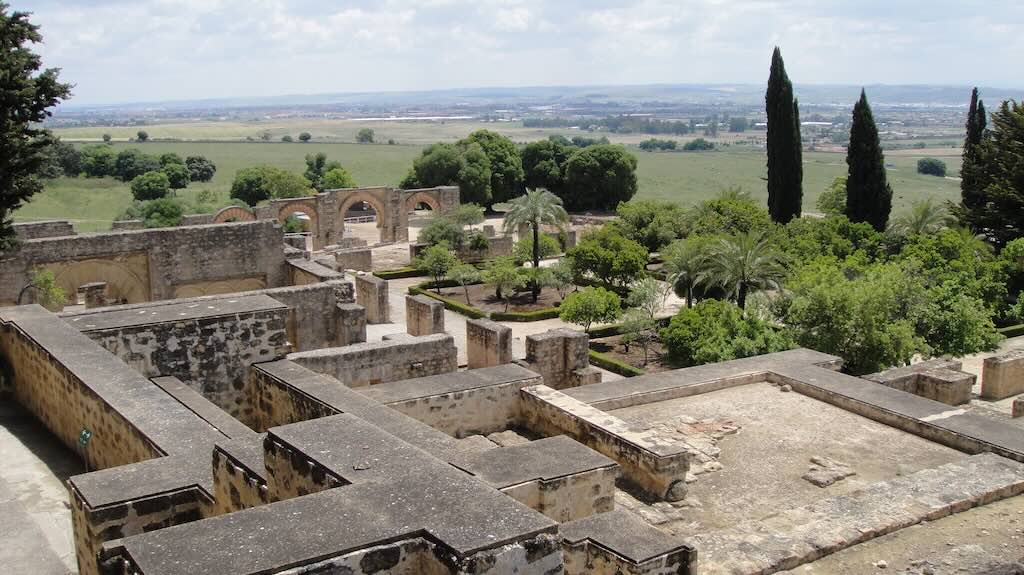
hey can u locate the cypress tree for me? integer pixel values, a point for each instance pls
(785, 163)
(970, 188)
(868, 195)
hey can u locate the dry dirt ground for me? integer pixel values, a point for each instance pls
(657, 358)
(481, 296)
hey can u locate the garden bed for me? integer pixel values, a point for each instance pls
(613, 349)
(483, 302)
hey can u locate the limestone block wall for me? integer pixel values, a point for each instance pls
(153, 264)
(488, 343)
(304, 272)
(561, 356)
(211, 354)
(49, 229)
(371, 363)
(937, 379)
(351, 324)
(657, 467)
(423, 315)
(276, 403)
(355, 259)
(236, 486)
(1003, 375)
(571, 497)
(372, 294)
(291, 474)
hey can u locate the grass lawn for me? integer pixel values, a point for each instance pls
(681, 177)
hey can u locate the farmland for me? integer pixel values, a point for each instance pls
(683, 177)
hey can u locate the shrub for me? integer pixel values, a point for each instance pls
(610, 256)
(305, 137)
(613, 365)
(400, 273)
(589, 306)
(715, 330)
(698, 145)
(523, 250)
(441, 230)
(526, 316)
(437, 260)
(200, 169)
(162, 213)
(150, 186)
(177, 175)
(132, 163)
(931, 167)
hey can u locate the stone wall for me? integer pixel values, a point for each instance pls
(1003, 375)
(561, 356)
(208, 347)
(49, 229)
(153, 264)
(937, 379)
(351, 324)
(372, 294)
(372, 363)
(239, 477)
(488, 343)
(423, 315)
(305, 272)
(355, 259)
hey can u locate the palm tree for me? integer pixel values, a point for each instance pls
(974, 242)
(743, 263)
(686, 264)
(536, 208)
(925, 217)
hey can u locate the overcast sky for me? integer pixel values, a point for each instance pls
(151, 50)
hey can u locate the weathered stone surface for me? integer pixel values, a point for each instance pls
(488, 343)
(351, 324)
(825, 471)
(1003, 375)
(423, 315)
(937, 379)
(561, 356)
(372, 294)
(355, 259)
(365, 364)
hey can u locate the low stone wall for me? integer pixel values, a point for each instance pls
(305, 272)
(239, 476)
(488, 343)
(290, 473)
(1003, 375)
(372, 294)
(351, 324)
(372, 363)
(561, 356)
(48, 229)
(937, 379)
(497, 246)
(196, 219)
(659, 469)
(620, 543)
(423, 315)
(360, 259)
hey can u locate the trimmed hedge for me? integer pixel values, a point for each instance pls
(524, 316)
(455, 306)
(612, 330)
(613, 365)
(400, 273)
(1012, 330)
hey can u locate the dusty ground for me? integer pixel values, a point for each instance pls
(657, 360)
(779, 433)
(481, 296)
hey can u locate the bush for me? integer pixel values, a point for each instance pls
(610, 256)
(365, 136)
(651, 223)
(98, 161)
(150, 186)
(715, 330)
(453, 305)
(437, 260)
(613, 365)
(162, 213)
(258, 183)
(653, 144)
(177, 175)
(400, 273)
(832, 202)
(200, 169)
(589, 306)
(698, 145)
(338, 178)
(132, 163)
(441, 230)
(931, 167)
(287, 139)
(305, 137)
(526, 316)
(523, 250)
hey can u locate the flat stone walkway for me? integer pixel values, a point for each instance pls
(35, 520)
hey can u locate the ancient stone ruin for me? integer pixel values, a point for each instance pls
(238, 419)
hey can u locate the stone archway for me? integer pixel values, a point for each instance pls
(127, 277)
(234, 214)
(303, 208)
(383, 218)
(422, 197)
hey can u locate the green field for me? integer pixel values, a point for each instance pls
(685, 178)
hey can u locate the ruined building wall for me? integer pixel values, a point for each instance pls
(371, 363)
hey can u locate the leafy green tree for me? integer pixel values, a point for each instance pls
(971, 193)
(441, 229)
(590, 305)
(535, 208)
(653, 144)
(258, 183)
(445, 164)
(832, 201)
(544, 164)
(506, 277)
(464, 275)
(66, 159)
(44, 289)
(727, 216)
(716, 330)
(925, 217)
(98, 161)
(953, 323)
(785, 155)
(436, 260)
(338, 178)
(648, 295)
(745, 263)
(931, 167)
(168, 158)
(957, 257)
(805, 239)
(738, 124)
(27, 95)
(142, 135)
(305, 137)
(599, 178)
(107, 138)
(477, 242)
(200, 169)
(285, 184)
(150, 186)
(504, 161)
(132, 163)
(999, 177)
(868, 195)
(686, 264)
(316, 166)
(365, 136)
(611, 257)
(177, 175)
(651, 223)
(561, 276)
(522, 251)
(162, 212)
(287, 139)
(698, 145)
(639, 329)
(468, 215)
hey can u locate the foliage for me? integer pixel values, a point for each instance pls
(177, 175)
(200, 169)
(652, 223)
(305, 137)
(785, 155)
(744, 263)
(925, 217)
(727, 216)
(868, 194)
(150, 186)
(971, 192)
(168, 158)
(715, 330)
(477, 242)
(437, 260)
(738, 124)
(316, 167)
(293, 225)
(611, 257)
(338, 178)
(441, 229)
(442, 164)
(65, 159)
(506, 165)
(98, 161)
(613, 365)
(805, 239)
(287, 139)
(535, 208)
(505, 276)
(544, 164)
(365, 136)
(958, 257)
(648, 295)
(464, 275)
(561, 276)
(686, 265)
(453, 305)
(653, 144)
(258, 183)
(998, 177)
(832, 202)
(162, 212)
(590, 305)
(468, 215)
(599, 178)
(523, 249)
(45, 290)
(142, 135)
(107, 138)
(698, 145)
(931, 167)
(639, 328)
(132, 163)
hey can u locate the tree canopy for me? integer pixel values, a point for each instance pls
(868, 195)
(785, 156)
(599, 178)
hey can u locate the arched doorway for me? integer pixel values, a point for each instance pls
(127, 281)
(234, 214)
(363, 216)
(301, 218)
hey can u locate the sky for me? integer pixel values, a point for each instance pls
(158, 50)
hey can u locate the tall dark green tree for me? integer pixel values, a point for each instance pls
(970, 193)
(26, 94)
(868, 195)
(785, 158)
